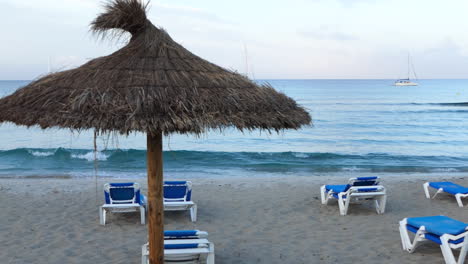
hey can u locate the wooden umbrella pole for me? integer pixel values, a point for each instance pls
(155, 199)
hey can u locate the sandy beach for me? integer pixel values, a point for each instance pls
(262, 220)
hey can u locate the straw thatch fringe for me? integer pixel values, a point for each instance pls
(124, 15)
(152, 85)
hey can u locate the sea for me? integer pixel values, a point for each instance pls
(360, 127)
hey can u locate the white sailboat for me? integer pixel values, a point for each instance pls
(407, 81)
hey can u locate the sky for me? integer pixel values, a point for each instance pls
(294, 39)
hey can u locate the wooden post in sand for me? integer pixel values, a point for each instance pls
(155, 199)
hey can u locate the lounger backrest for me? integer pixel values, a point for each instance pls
(178, 190)
(364, 181)
(119, 193)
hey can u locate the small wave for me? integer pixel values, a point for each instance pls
(445, 170)
(40, 153)
(91, 156)
(454, 104)
(300, 155)
(353, 168)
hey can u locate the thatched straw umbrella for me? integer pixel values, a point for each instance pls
(152, 85)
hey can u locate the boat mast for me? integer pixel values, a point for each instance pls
(408, 66)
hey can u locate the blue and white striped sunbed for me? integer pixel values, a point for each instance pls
(184, 246)
(448, 187)
(122, 198)
(447, 232)
(178, 196)
(357, 189)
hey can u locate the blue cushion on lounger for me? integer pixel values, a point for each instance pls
(122, 193)
(337, 188)
(432, 237)
(368, 189)
(365, 181)
(180, 246)
(121, 184)
(437, 240)
(176, 190)
(438, 225)
(449, 187)
(181, 233)
(175, 182)
(366, 178)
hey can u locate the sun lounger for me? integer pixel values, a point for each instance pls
(449, 233)
(448, 187)
(188, 246)
(357, 189)
(178, 196)
(122, 198)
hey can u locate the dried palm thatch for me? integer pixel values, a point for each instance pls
(152, 85)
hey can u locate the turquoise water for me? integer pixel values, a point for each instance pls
(360, 126)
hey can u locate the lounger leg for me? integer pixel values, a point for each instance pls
(211, 256)
(347, 202)
(343, 204)
(447, 251)
(323, 194)
(102, 216)
(459, 200)
(193, 213)
(144, 254)
(463, 251)
(438, 191)
(142, 214)
(381, 202)
(405, 240)
(426, 190)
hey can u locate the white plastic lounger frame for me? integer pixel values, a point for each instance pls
(377, 193)
(458, 196)
(446, 246)
(122, 206)
(354, 194)
(183, 202)
(203, 254)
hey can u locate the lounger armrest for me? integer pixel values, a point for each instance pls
(456, 237)
(378, 188)
(120, 205)
(200, 241)
(143, 200)
(170, 203)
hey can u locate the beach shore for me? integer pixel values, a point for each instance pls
(250, 220)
